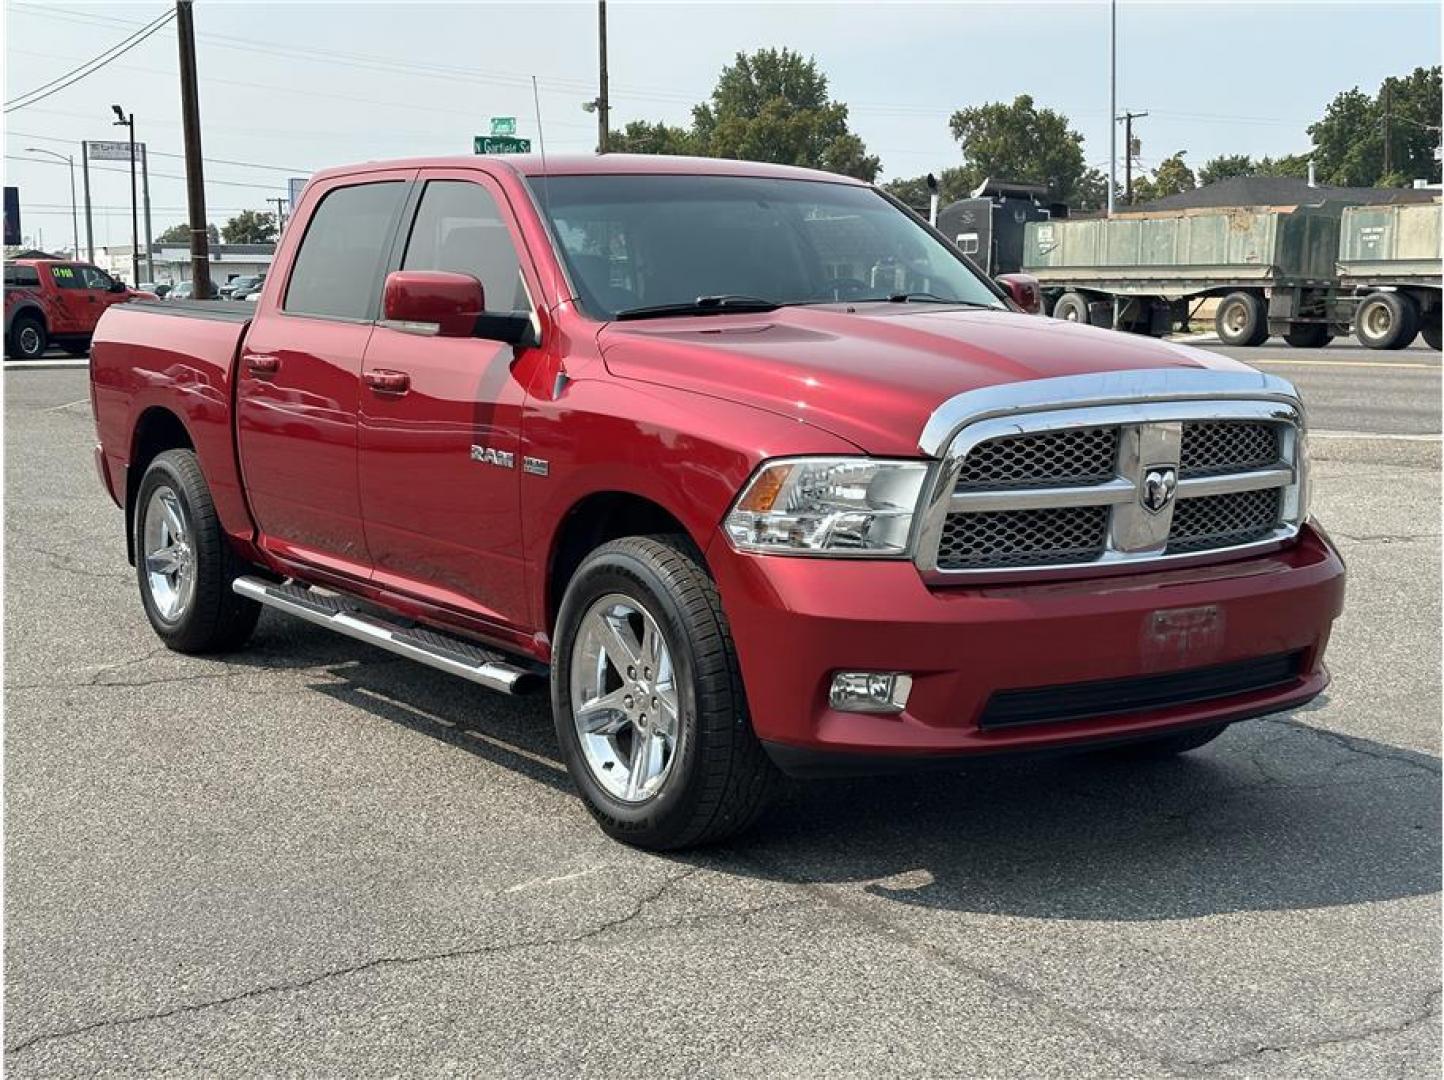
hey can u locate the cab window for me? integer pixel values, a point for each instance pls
(338, 268)
(68, 277)
(459, 228)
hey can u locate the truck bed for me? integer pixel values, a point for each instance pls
(166, 362)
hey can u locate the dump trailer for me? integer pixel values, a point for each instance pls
(1389, 273)
(1274, 270)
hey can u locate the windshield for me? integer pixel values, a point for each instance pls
(634, 242)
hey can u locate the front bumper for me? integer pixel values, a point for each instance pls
(797, 621)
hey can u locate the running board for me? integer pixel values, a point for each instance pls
(441, 651)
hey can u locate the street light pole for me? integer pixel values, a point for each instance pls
(604, 110)
(128, 122)
(74, 212)
(1112, 102)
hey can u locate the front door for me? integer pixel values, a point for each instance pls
(440, 455)
(299, 375)
(76, 309)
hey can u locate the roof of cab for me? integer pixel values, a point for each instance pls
(597, 165)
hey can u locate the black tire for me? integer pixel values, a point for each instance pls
(1386, 320)
(76, 348)
(215, 619)
(1166, 746)
(1430, 330)
(1241, 320)
(1072, 307)
(1309, 335)
(720, 778)
(28, 338)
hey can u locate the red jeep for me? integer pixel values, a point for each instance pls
(54, 302)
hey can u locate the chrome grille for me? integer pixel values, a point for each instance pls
(1213, 448)
(1117, 476)
(1215, 521)
(1065, 534)
(1052, 458)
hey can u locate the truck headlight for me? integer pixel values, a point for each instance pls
(829, 506)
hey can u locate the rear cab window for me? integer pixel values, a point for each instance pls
(21, 277)
(337, 269)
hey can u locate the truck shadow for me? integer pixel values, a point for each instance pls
(1275, 815)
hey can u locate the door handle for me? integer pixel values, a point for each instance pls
(262, 364)
(384, 381)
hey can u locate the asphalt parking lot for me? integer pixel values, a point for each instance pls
(311, 858)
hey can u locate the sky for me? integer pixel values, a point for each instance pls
(287, 88)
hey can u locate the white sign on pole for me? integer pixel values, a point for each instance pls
(115, 151)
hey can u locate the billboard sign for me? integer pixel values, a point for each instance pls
(114, 151)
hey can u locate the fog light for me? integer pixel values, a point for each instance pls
(870, 691)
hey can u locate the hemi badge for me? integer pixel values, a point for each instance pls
(535, 465)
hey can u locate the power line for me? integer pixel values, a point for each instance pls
(163, 176)
(90, 67)
(297, 171)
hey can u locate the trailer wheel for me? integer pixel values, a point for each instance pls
(1241, 320)
(1386, 320)
(1430, 330)
(1309, 335)
(1071, 307)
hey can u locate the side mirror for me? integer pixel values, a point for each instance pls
(432, 302)
(1023, 290)
(116, 287)
(440, 303)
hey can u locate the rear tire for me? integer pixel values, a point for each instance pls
(1072, 307)
(1166, 746)
(28, 339)
(184, 562)
(711, 778)
(1430, 330)
(1241, 320)
(1386, 320)
(1308, 335)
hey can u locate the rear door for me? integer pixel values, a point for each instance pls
(300, 368)
(441, 458)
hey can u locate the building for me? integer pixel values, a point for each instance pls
(173, 261)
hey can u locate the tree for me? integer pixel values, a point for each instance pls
(1091, 191)
(1171, 177)
(640, 137)
(250, 227)
(1020, 142)
(1225, 166)
(770, 105)
(1349, 140)
(1295, 165)
(181, 234)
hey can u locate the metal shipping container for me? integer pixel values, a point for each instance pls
(1390, 243)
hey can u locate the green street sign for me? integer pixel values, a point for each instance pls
(503, 125)
(500, 144)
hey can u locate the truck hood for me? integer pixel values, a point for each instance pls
(873, 375)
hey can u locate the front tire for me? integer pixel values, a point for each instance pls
(184, 563)
(28, 339)
(650, 710)
(1167, 746)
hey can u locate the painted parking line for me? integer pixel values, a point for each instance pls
(1346, 363)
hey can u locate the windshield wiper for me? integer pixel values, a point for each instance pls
(931, 298)
(703, 305)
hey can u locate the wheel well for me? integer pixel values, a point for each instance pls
(29, 310)
(157, 431)
(593, 522)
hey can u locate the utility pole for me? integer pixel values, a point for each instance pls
(145, 200)
(128, 122)
(1112, 101)
(195, 181)
(89, 225)
(1388, 162)
(280, 204)
(604, 113)
(1127, 121)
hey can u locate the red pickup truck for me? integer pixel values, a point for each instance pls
(55, 302)
(744, 462)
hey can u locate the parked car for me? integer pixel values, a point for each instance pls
(238, 288)
(743, 462)
(56, 302)
(183, 290)
(159, 291)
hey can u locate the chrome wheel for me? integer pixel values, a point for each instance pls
(624, 698)
(29, 341)
(169, 557)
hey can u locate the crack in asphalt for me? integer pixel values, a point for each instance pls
(1428, 1009)
(1386, 538)
(1409, 758)
(643, 903)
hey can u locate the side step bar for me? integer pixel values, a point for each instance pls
(453, 655)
